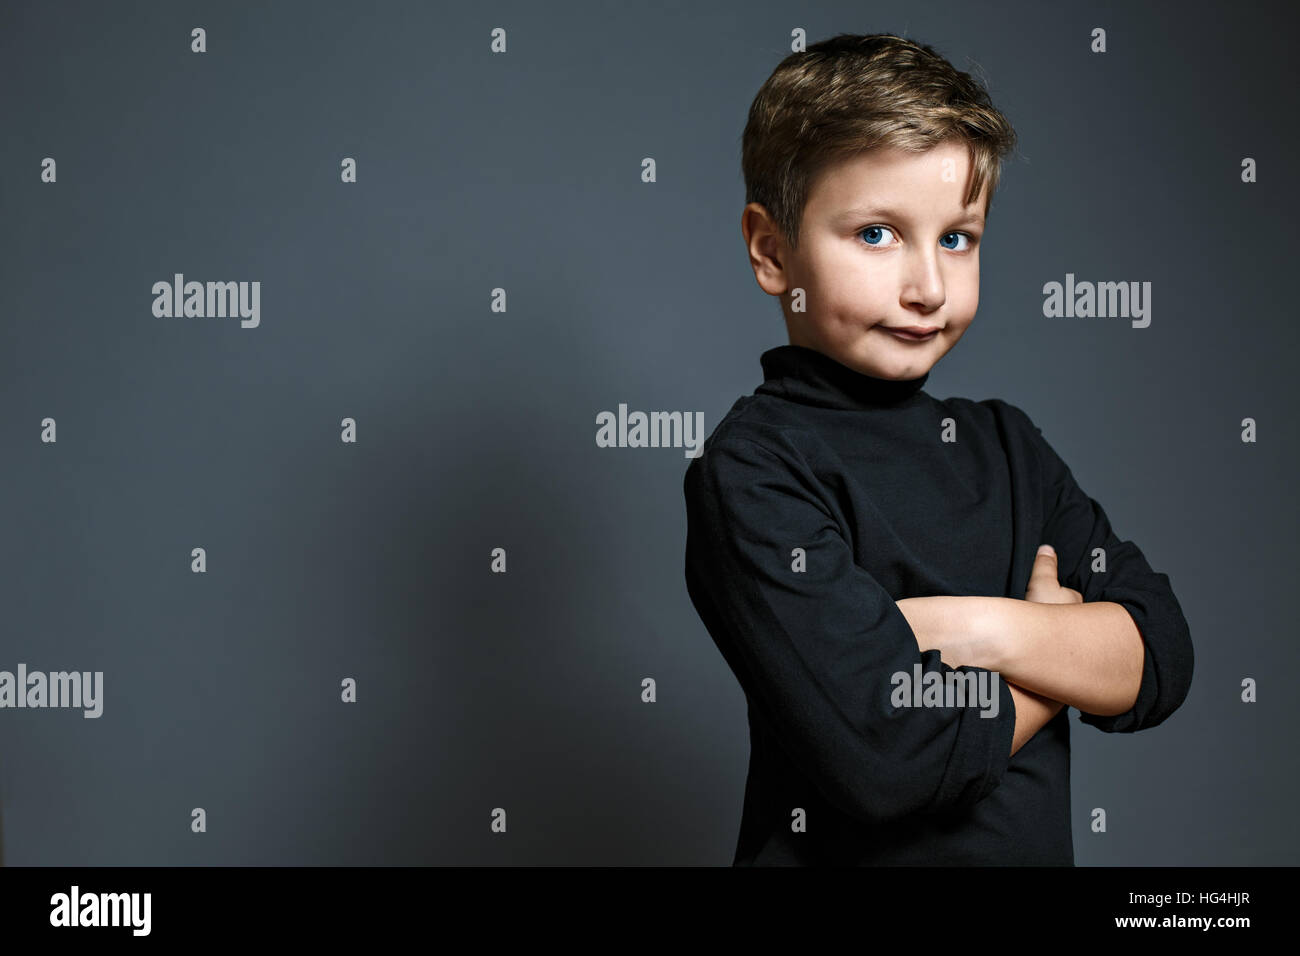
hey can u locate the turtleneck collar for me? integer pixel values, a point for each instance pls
(805, 375)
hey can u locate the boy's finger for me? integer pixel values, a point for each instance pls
(1044, 565)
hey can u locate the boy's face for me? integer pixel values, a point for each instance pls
(884, 243)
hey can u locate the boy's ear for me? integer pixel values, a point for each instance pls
(765, 247)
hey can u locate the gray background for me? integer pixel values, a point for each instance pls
(477, 429)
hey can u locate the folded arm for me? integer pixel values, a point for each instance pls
(1088, 656)
(1101, 652)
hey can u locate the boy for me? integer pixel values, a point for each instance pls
(852, 540)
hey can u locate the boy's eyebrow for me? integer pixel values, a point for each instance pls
(866, 212)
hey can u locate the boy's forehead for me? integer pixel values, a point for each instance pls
(895, 181)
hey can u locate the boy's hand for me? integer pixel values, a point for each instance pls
(1044, 586)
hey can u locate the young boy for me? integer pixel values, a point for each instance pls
(854, 545)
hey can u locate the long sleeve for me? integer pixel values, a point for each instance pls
(815, 649)
(1076, 526)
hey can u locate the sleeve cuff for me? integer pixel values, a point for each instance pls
(983, 751)
(1162, 689)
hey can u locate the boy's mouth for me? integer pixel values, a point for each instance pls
(911, 333)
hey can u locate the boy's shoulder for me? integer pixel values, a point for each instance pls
(753, 420)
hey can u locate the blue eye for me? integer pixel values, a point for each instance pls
(874, 236)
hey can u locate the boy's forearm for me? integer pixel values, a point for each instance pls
(1088, 656)
(1033, 711)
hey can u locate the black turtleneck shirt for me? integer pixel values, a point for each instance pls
(855, 471)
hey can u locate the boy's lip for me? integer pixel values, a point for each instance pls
(911, 331)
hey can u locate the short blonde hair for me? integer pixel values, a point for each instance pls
(853, 93)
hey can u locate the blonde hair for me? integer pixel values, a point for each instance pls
(853, 93)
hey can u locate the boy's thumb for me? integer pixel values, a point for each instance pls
(1047, 549)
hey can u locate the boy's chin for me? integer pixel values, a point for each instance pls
(897, 362)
